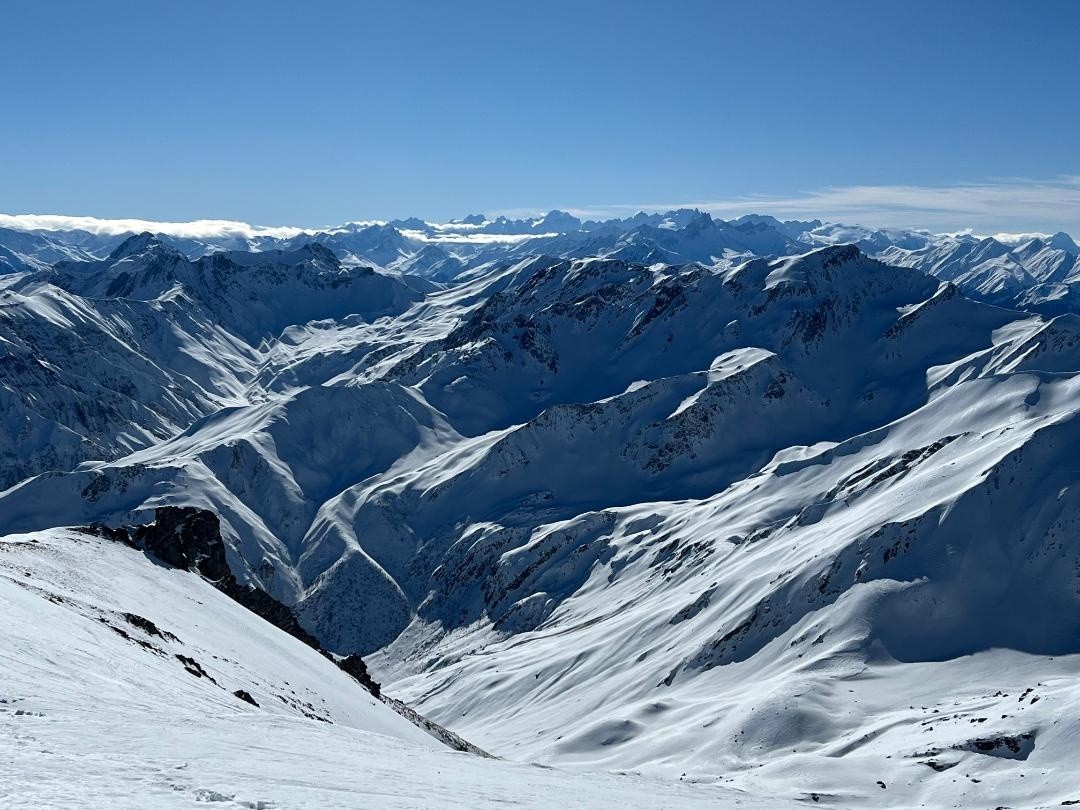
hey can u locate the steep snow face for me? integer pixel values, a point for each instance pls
(884, 608)
(253, 465)
(22, 251)
(124, 683)
(90, 378)
(99, 358)
(584, 330)
(431, 262)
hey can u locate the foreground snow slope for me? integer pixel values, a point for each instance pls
(98, 709)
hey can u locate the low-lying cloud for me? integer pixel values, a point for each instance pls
(198, 229)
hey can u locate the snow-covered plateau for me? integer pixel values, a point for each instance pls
(660, 512)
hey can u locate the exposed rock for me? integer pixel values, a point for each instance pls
(1005, 746)
(245, 696)
(189, 538)
(185, 537)
(355, 666)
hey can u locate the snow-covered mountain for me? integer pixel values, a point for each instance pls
(735, 503)
(1035, 273)
(25, 251)
(102, 357)
(1038, 274)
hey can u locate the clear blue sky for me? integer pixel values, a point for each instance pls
(317, 112)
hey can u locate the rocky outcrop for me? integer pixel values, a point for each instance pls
(185, 537)
(190, 539)
(355, 666)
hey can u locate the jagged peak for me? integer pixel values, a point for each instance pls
(139, 243)
(471, 219)
(1062, 241)
(307, 252)
(830, 256)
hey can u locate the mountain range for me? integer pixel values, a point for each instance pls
(784, 510)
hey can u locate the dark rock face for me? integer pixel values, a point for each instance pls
(180, 536)
(119, 535)
(148, 626)
(355, 666)
(189, 538)
(245, 696)
(194, 667)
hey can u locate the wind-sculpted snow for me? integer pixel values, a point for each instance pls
(805, 524)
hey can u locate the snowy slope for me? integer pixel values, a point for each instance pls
(28, 251)
(117, 689)
(813, 617)
(101, 357)
(1033, 273)
(95, 378)
(254, 295)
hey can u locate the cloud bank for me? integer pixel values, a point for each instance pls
(198, 229)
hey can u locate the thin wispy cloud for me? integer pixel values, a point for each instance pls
(1008, 205)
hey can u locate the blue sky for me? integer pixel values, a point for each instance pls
(929, 114)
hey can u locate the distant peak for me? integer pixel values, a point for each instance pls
(835, 254)
(557, 220)
(410, 223)
(135, 244)
(319, 250)
(471, 219)
(700, 217)
(1062, 241)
